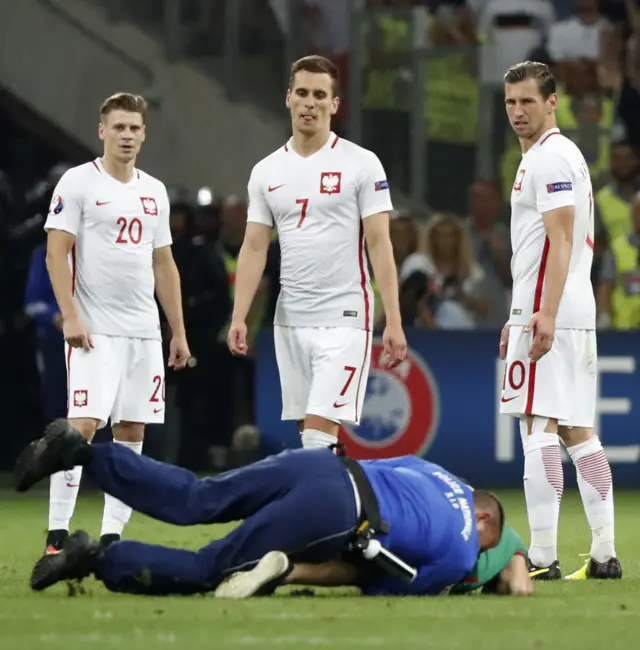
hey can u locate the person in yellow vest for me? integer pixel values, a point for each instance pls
(233, 223)
(613, 201)
(388, 88)
(586, 115)
(618, 294)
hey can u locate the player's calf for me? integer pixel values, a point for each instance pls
(596, 488)
(543, 487)
(116, 514)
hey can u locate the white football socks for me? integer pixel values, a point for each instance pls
(314, 439)
(63, 492)
(116, 514)
(543, 487)
(596, 489)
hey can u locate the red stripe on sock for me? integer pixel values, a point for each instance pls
(552, 462)
(596, 471)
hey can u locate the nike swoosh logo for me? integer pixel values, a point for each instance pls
(508, 399)
(273, 188)
(102, 202)
(71, 485)
(339, 406)
(157, 410)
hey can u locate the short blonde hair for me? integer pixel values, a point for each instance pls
(124, 102)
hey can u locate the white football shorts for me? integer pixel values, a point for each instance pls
(562, 385)
(120, 378)
(323, 371)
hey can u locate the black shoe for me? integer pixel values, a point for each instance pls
(75, 561)
(609, 570)
(55, 541)
(551, 572)
(107, 540)
(58, 450)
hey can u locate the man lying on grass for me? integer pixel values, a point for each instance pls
(413, 527)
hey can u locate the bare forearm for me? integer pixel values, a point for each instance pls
(62, 283)
(327, 574)
(603, 298)
(170, 295)
(384, 269)
(556, 275)
(249, 272)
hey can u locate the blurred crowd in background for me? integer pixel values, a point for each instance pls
(424, 78)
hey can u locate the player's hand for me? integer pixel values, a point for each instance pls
(395, 345)
(179, 353)
(543, 326)
(76, 334)
(237, 339)
(504, 342)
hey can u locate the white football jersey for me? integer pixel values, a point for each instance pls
(318, 204)
(552, 174)
(116, 226)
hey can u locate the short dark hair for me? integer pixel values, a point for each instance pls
(532, 70)
(316, 64)
(491, 503)
(124, 102)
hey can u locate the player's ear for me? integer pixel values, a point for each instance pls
(144, 133)
(287, 100)
(553, 101)
(101, 130)
(335, 104)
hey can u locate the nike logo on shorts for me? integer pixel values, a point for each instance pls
(158, 410)
(339, 406)
(102, 203)
(273, 188)
(508, 399)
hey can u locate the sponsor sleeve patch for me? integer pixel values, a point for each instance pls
(382, 185)
(564, 186)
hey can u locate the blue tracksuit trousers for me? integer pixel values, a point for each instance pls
(300, 502)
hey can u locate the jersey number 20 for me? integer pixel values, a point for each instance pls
(130, 231)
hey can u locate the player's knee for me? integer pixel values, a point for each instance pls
(575, 435)
(128, 432)
(86, 426)
(318, 423)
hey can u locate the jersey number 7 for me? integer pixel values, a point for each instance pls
(303, 211)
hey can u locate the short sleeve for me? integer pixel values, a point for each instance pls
(65, 209)
(553, 184)
(163, 233)
(373, 193)
(258, 210)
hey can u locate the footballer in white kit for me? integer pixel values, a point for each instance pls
(549, 344)
(327, 197)
(108, 252)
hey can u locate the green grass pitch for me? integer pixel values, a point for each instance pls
(580, 615)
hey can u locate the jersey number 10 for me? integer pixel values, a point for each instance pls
(130, 231)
